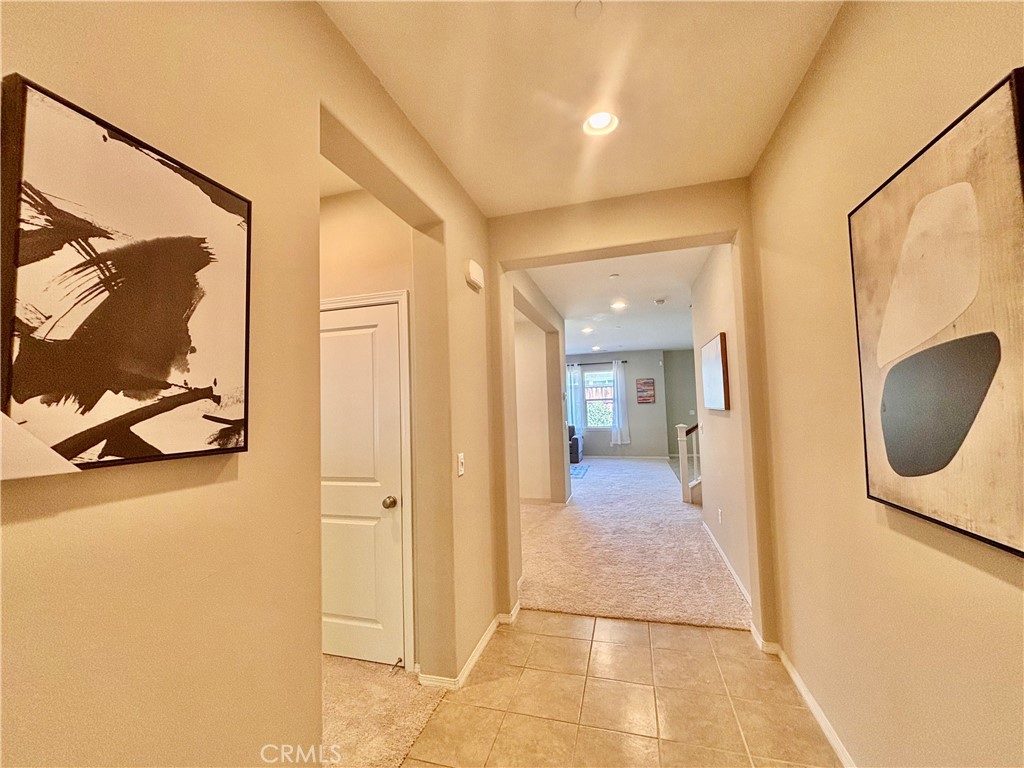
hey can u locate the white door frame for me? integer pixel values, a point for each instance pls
(401, 299)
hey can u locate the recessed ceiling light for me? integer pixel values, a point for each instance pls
(618, 305)
(600, 123)
(588, 329)
(596, 349)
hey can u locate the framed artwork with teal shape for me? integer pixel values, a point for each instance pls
(938, 273)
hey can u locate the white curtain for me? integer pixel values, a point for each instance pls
(620, 419)
(575, 406)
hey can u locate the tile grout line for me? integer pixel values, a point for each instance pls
(732, 706)
(495, 739)
(504, 712)
(654, 688)
(586, 678)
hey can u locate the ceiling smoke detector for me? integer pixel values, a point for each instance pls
(588, 10)
(659, 302)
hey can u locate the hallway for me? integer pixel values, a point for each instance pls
(626, 546)
(562, 690)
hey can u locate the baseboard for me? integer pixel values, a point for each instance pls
(451, 683)
(536, 501)
(812, 704)
(457, 682)
(508, 618)
(764, 645)
(728, 565)
(819, 714)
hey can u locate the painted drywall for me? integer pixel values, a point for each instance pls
(680, 393)
(169, 613)
(722, 441)
(910, 636)
(364, 247)
(532, 410)
(648, 435)
(516, 292)
(707, 214)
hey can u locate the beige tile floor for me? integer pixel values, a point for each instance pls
(560, 690)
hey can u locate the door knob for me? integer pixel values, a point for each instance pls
(390, 502)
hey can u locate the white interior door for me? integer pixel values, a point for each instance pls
(361, 483)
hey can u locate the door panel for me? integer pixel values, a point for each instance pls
(361, 465)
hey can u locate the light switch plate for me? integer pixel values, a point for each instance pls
(461, 463)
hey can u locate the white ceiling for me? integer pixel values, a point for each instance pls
(500, 89)
(583, 294)
(333, 181)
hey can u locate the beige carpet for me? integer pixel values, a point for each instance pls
(373, 714)
(627, 546)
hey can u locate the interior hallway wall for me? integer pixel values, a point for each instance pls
(680, 393)
(364, 247)
(722, 443)
(532, 410)
(909, 635)
(516, 292)
(647, 433)
(168, 613)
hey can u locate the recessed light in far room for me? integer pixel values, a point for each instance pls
(600, 124)
(596, 349)
(588, 329)
(618, 305)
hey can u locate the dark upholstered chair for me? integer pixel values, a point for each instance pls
(575, 446)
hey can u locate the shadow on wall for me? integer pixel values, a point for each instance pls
(963, 548)
(41, 497)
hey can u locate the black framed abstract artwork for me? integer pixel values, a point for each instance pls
(125, 296)
(938, 272)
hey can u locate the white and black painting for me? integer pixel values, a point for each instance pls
(126, 291)
(938, 263)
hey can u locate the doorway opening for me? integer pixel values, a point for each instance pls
(381, 249)
(634, 540)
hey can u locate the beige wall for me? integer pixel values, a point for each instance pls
(909, 635)
(648, 435)
(707, 214)
(516, 291)
(722, 440)
(169, 613)
(680, 393)
(532, 412)
(364, 247)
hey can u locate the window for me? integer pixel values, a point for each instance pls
(599, 393)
